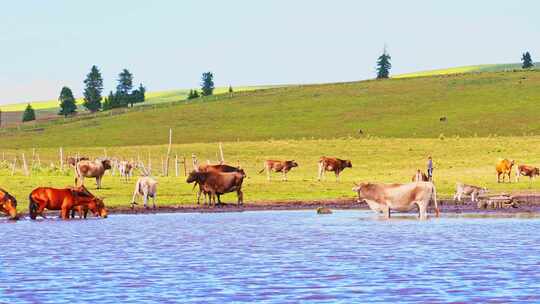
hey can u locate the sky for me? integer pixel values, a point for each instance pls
(45, 45)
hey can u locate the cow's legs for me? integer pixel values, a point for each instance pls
(240, 195)
(422, 210)
(386, 212)
(337, 175)
(321, 172)
(509, 179)
(284, 175)
(498, 177)
(154, 201)
(473, 196)
(267, 173)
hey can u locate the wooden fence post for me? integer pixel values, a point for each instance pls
(194, 162)
(61, 159)
(25, 165)
(221, 153)
(176, 164)
(184, 162)
(14, 165)
(166, 172)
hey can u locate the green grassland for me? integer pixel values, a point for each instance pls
(469, 160)
(505, 67)
(484, 104)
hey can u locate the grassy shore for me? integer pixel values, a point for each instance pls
(469, 160)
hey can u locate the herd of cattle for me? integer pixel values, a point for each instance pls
(215, 180)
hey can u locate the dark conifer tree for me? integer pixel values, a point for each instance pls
(29, 114)
(207, 84)
(527, 61)
(68, 105)
(92, 91)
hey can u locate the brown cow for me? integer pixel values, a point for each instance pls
(526, 170)
(222, 168)
(60, 199)
(216, 184)
(278, 166)
(332, 164)
(420, 177)
(504, 167)
(87, 168)
(96, 206)
(8, 204)
(72, 160)
(382, 198)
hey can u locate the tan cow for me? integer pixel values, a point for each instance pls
(504, 168)
(126, 169)
(383, 198)
(332, 164)
(278, 166)
(473, 191)
(87, 168)
(526, 170)
(145, 187)
(420, 177)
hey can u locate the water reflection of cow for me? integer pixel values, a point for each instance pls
(216, 180)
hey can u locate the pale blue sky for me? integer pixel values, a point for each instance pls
(168, 44)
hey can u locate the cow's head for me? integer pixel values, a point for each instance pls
(97, 206)
(292, 163)
(536, 171)
(359, 189)
(106, 164)
(8, 204)
(348, 164)
(195, 176)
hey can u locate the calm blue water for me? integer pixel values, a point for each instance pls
(272, 257)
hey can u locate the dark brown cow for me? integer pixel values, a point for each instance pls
(332, 164)
(420, 177)
(526, 170)
(217, 183)
(87, 168)
(72, 160)
(221, 168)
(278, 166)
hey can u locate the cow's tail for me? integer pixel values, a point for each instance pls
(434, 198)
(262, 170)
(32, 207)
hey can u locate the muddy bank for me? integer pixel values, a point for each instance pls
(521, 203)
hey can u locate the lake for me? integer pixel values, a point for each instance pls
(269, 257)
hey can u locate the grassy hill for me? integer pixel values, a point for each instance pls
(504, 67)
(477, 104)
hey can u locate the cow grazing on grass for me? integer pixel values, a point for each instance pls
(504, 168)
(216, 183)
(145, 187)
(526, 170)
(87, 168)
(473, 191)
(73, 160)
(278, 166)
(332, 164)
(383, 198)
(420, 177)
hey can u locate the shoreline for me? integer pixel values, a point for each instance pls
(524, 204)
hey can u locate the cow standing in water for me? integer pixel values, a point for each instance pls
(332, 164)
(278, 166)
(8, 204)
(383, 198)
(87, 168)
(504, 168)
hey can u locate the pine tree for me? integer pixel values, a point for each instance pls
(29, 114)
(68, 106)
(207, 84)
(193, 94)
(383, 65)
(92, 91)
(527, 61)
(125, 82)
(230, 89)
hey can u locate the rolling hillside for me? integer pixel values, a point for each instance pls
(504, 67)
(477, 104)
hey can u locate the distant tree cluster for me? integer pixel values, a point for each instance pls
(527, 61)
(193, 94)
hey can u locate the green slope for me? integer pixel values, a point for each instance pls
(505, 67)
(477, 104)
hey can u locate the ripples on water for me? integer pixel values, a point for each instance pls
(279, 257)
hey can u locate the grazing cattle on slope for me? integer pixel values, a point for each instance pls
(504, 168)
(420, 177)
(332, 164)
(278, 166)
(216, 184)
(473, 191)
(87, 168)
(145, 187)
(526, 170)
(383, 198)
(8, 204)
(73, 160)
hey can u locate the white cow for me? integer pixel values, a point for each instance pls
(145, 187)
